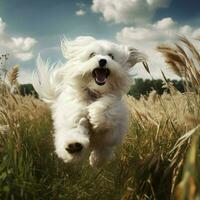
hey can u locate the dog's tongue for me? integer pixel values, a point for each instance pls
(100, 75)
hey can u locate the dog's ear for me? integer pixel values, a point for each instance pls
(71, 48)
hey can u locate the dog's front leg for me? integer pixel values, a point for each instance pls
(106, 112)
(71, 143)
(99, 113)
(71, 133)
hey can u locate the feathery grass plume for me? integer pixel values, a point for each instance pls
(12, 75)
(183, 59)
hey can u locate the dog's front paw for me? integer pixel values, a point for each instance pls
(71, 146)
(98, 117)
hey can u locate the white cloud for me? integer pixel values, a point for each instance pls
(24, 56)
(164, 23)
(128, 11)
(158, 3)
(162, 30)
(80, 12)
(81, 9)
(18, 47)
(148, 37)
(159, 31)
(24, 44)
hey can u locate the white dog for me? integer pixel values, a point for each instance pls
(86, 97)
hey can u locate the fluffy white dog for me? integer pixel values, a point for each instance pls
(86, 97)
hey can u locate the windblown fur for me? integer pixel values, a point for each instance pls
(86, 97)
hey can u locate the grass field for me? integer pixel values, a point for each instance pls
(159, 158)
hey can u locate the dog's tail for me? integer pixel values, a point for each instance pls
(47, 80)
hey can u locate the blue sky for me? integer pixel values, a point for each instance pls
(29, 27)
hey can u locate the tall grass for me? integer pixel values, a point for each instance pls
(159, 158)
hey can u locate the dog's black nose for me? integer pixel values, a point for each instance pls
(102, 62)
(74, 148)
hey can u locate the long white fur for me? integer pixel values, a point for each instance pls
(100, 123)
(47, 80)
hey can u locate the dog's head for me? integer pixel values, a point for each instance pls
(99, 65)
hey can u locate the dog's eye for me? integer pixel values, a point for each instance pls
(92, 55)
(110, 54)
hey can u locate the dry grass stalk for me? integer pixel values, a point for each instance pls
(13, 75)
(183, 59)
(187, 188)
(182, 140)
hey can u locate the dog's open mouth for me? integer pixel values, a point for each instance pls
(100, 75)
